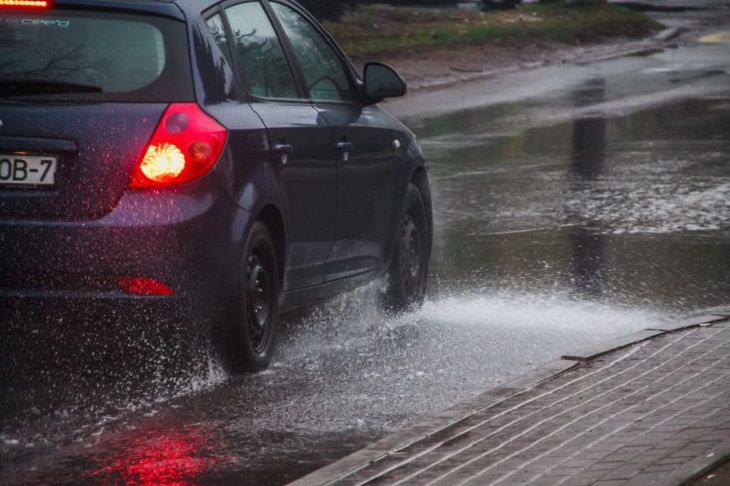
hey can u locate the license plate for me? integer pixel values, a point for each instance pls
(28, 170)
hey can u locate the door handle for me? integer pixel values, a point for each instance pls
(283, 150)
(345, 146)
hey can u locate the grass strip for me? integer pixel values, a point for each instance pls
(378, 29)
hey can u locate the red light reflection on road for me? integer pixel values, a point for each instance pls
(169, 459)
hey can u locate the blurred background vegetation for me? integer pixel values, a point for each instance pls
(334, 9)
(367, 27)
(328, 9)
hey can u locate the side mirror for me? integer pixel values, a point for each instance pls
(381, 81)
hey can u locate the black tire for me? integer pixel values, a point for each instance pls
(253, 318)
(408, 273)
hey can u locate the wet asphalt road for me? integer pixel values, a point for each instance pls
(573, 204)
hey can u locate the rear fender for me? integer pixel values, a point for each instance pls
(214, 79)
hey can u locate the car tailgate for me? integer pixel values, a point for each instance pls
(96, 147)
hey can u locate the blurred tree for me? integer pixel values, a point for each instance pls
(327, 9)
(572, 2)
(500, 4)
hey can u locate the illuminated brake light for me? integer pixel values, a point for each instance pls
(185, 146)
(162, 162)
(144, 286)
(25, 3)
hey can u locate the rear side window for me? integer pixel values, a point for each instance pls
(323, 70)
(116, 56)
(215, 24)
(265, 68)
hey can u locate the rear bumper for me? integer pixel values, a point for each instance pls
(183, 238)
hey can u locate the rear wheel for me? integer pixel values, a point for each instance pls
(408, 273)
(254, 315)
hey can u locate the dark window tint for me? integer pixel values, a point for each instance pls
(215, 24)
(323, 70)
(265, 68)
(124, 57)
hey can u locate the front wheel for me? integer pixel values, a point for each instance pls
(254, 313)
(408, 273)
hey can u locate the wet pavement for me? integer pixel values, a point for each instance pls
(567, 212)
(624, 199)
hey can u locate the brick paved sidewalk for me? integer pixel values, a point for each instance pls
(655, 412)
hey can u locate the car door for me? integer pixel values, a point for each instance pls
(367, 165)
(299, 138)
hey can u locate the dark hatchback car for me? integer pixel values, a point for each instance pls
(218, 163)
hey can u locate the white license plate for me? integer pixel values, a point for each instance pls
(28, 170)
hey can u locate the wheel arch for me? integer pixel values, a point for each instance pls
(273, 219)
(420, 180)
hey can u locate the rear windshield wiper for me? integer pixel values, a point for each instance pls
(21, 86)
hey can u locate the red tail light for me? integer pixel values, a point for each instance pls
(185, 146)
(24, 3)
(143, 286)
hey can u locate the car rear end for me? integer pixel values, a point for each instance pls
(112, 216)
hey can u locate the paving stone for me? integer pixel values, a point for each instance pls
(639, 415)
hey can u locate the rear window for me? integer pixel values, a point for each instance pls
(82, 55)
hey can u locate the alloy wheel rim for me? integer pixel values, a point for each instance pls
(410, 255)
(258, 302)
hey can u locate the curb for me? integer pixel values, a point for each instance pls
(433, 426)
(599, 350)
(647, 46)
(669, 34)
(596, 351)
(700, 468)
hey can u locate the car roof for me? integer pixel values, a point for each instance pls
(168, 8)
(195, 7)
